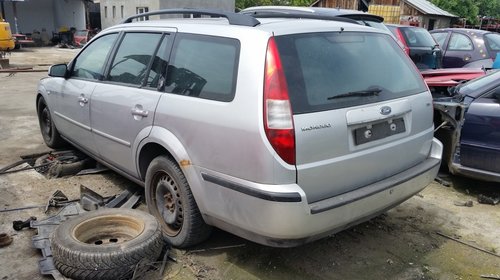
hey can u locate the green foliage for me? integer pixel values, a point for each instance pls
(490, 8)
(470, 9)
(462, 8)
(242, 4)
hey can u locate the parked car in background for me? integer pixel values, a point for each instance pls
(80, 38)
(22, 40)
(471, 48)
(441, 80)
(419, 45)
(470, 128)
(280, 130)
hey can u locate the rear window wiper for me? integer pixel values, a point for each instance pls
(370, 92)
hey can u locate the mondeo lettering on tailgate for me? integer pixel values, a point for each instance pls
(315, 127)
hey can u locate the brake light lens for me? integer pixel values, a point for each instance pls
(278, 118)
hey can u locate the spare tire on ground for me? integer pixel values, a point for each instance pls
(106, 244)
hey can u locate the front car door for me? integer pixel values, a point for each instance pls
(459, 51)
(72, 113)
(123, 106)
(480, 140)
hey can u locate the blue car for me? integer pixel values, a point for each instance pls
(468, 124)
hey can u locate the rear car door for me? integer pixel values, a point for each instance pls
(123, 107)
(73, 95)
(480, 138)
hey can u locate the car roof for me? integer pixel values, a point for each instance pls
(463, 30)
(277, 26)
(320, 11)
(402, 26)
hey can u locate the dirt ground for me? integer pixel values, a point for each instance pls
(401, 244)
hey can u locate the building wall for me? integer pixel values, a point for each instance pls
(123, 9)
(225, 5)
(35, 15)
(439, 22)
(130, 7)
(343, 4)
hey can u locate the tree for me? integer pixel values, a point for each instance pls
(470, 9)
(489, 8)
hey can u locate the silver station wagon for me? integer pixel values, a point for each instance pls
(279, 130)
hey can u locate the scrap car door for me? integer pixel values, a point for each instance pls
(123, 107)
(480, 141)
(458, 51)
(72, 111)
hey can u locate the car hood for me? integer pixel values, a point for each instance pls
(450, 76)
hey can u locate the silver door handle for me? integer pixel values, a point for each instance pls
(82, 100)
(139, 112)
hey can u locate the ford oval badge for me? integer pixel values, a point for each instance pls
(385, 110)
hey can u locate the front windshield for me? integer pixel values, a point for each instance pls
(479, 83)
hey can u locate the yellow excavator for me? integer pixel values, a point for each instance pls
(7, 42)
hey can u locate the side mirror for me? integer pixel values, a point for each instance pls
(58, 70)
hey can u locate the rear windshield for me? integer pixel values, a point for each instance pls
(493, 41)
(418, 37)
(319, 67)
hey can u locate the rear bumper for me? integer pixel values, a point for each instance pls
(280, 216)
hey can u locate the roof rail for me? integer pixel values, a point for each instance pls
(299, 15)
(233, 18)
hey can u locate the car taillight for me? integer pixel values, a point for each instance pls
(278, 121)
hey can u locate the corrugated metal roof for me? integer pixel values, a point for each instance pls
(427, 7)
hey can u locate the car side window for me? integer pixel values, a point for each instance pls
(493, 41)
(460, 42)
(160, 62)
(440, 38)
(90, 63)
(133, 57)
(203, 66)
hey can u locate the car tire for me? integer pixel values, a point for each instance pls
(170, 200)
(106, 244)
(50, 134)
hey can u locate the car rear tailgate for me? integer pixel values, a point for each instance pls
(331, 161)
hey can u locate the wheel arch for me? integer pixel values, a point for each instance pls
(41, 93)
(160, 141)
(163, 142)
(38, 97)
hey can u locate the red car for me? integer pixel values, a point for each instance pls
(439, 80)
(419, 45)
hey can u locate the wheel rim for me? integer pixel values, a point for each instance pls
(168, 204)
(108, 230)
(46, 122)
